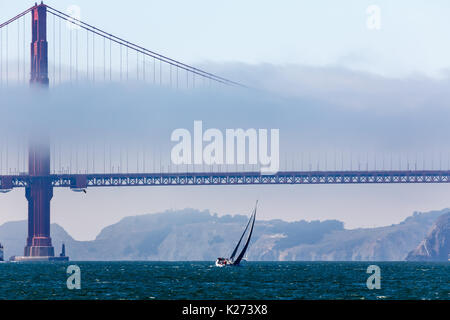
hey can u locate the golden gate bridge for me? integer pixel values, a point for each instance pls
(96, 64)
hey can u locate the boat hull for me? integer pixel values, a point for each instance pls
(228, 263)
(232, 261)
(221, 262)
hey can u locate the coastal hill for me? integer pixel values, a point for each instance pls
(436, 245)
(190, 234)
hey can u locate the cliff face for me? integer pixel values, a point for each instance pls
(436, 245)
(390, 243)
(198, 235)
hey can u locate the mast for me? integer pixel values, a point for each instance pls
(241, 255)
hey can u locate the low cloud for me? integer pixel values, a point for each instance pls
(318, 111)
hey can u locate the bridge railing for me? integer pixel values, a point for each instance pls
(80, 181)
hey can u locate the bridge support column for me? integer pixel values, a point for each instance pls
(39, 46)
(40, 191)
(39, 243)
(39, 194)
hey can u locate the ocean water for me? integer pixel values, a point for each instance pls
(202, 280)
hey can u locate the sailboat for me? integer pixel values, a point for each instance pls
(232, 261)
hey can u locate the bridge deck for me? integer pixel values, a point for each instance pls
(231, 178)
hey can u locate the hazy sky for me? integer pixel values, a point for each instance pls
(322, 32)
(328, 82)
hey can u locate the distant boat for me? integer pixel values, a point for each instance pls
(231, 261)
(1, 252)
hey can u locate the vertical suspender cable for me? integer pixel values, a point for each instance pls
(70, 64)
(93, 57)
(76, 159)
(59, 71)
(127, 63)
(110, 157)
(1, 158)
(87, 55)
(110, 60)
(104, 156)
(143, 158)
(70, 159)
(53, 158)
(54, 50)
(104, 59)
(60, 154)
(24, 150)
(6, 46)
(18, 157)
(76, 56)
(87, 158)
(93, 156)
(18, 54)
(1, 58)
(7, 156)
(24, 56)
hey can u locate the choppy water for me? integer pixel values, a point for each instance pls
(201, 280)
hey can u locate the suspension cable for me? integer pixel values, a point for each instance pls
(120, 41)
(135, 47)
(16, 17)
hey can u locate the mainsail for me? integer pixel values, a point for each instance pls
(241, 255)
(242, 236)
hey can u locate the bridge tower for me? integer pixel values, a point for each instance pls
(40, 191)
